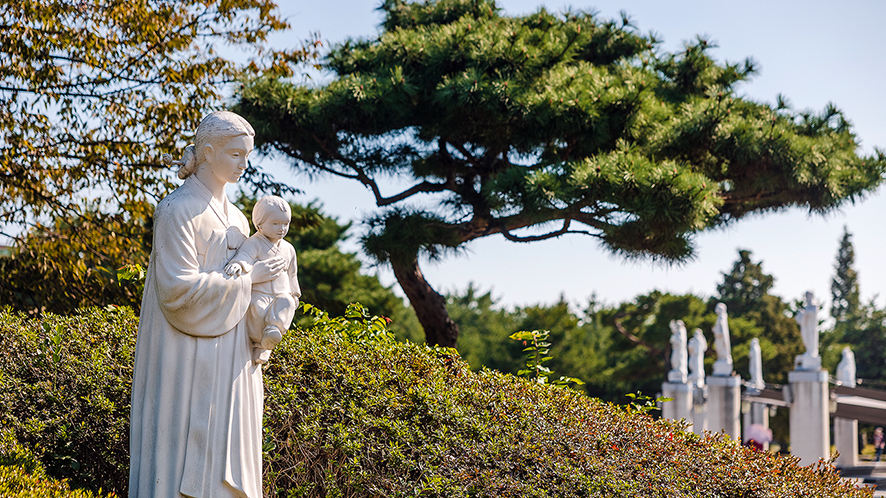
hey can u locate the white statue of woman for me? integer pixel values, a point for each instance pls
(723, 365)
(846, 368)
(697, 347)
(196, 393)
(755, 365)
(678, 371)
(807, 318)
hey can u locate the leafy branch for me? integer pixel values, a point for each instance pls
(537, 353)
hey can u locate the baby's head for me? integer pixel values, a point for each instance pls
(271, 216)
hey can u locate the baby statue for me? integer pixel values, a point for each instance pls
(273, 303)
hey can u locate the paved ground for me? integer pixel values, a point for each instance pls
(871, 473)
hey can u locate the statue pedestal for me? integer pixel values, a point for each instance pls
(724, 404)
(757, 413)
(700, 409)
(681, 406)
(806, 362)
(722, 368)
(846, 441)
(810, 432)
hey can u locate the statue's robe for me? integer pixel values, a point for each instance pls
(196, 395)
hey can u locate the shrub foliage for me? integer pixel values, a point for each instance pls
(352, 416)
(18, 482)
(352, 412)
(64, 393)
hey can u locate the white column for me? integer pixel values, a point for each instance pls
(810, 432)
(846, 441)
(700, 410)
(724, 404)
(681, 406)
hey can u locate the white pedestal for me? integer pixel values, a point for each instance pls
(846, 441)
(810, 434)
(700, 410)
(722, 368)
(807, 363)
(681, 406)
(758, 413)
(724, 405)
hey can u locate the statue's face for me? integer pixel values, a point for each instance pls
(228, 161)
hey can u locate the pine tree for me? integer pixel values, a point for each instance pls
(844, 287)
(539, 126)
(744, 288)
(862, 327)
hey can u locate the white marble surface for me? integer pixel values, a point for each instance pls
(809, 416)
(807, 318)
(846, 368)
(679, 360)
(196, 395)
(722, 343)
(697, 347)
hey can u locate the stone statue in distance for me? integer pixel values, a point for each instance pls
(755, 365)
(722, 343)
(807, 318)
(697, 347)
(846, 368)
(678, 372)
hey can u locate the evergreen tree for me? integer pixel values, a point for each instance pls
(485, 327)
(543, 125)
(859, 326)
(578, 346)
(844, 287)
(744, 288)
(867, 338)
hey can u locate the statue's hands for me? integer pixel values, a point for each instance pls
(268, 269)
(234, 269)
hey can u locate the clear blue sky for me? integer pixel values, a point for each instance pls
(813, 52)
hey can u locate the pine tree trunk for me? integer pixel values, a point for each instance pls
(429, 305)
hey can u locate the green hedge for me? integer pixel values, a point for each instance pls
(18, 482)
(347, 415)
(64, 393)
(350, 412)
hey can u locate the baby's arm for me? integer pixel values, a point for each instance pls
(234, 269)
(292, 274)
(242, 260)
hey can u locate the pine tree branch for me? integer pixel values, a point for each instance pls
(467, 155)
(423, 187)
(550, 235)
(631, 337)
(482, 225)
(362, 177)
(319, 165)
